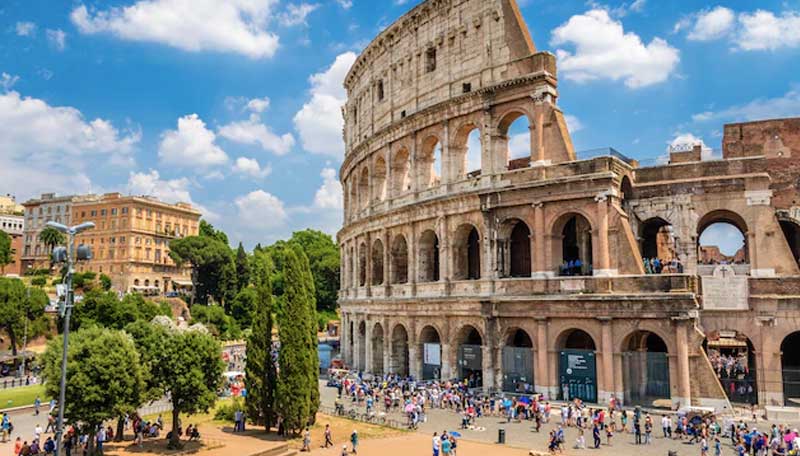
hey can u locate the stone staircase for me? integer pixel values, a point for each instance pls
(279, 450)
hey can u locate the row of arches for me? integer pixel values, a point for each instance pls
(400, 172)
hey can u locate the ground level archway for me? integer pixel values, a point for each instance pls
(645, 370)
(431, 345)
(790, 368)
(399, 358)
(377, 349)
(577, 366)
(362, 346)
(518, 362)
(470, 356)
(733, 359)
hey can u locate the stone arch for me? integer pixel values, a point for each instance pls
(645, 368)
(399, 259)
(725, 221)
(401, 171)
(657, 239)
(377, 348)
(429, 162)
(469, 345)
(517, 362)
(379, 174)
(505, 142)
(362, 264)
(790, 368)
(791, 232)
(363, 189)
(733, 359)
(362, 345)
(353, 200)
(572, 246)
(466, 150)
(135, 282)
(626, 189)
(377, 262)
(515, 248)
(399, 353)
(147, 282)
(577, 365)
(430, 352)
(429, 256)
(467, 253)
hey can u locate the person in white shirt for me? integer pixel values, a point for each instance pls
(666, 425)
(436, 442)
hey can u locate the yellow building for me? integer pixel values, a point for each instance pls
(8, 205)
(130, 241)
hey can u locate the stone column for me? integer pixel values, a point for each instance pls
(368, 349)
(447, 161)
(414, 363)
(387, 347)
(602, 265)
(368, 265)
(386, 263)
(606, 384)
(541, 368)
(344, 337)
(446, 367)
(539, 255)
(681, 341)
(768, 362)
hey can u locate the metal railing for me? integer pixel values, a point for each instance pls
(371, 418)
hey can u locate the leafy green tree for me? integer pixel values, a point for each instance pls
(104, 308)
(208, 258)
(294, 396)
(208, 230)
(261, 373)
(104, 377)
(242, 268)
(19, 304)
(6, 252)
(311, 329)
(243, 305)
(105, 282)
(216, 320)
(51, 237)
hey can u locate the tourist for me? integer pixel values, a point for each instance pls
(580, 442)
(666, 425)
(101, 438)
(328, 436)
(344, 451)
(306, 440)
(51, 423)
(354, 441)
(637, 431)
(37, 431)
(37, 403)
(436, 443)
(5, 428)
(446, 447)
(18, 446)
(648, 430)
(596, 435)
(609, 434)
(49, 446)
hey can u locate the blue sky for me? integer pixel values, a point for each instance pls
(235, 105)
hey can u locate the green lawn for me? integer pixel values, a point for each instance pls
(25, 395)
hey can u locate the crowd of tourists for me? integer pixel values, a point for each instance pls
(733, 370)
(660, 266)
(575, 268)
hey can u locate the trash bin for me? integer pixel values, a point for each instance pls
(672, 453)
(501, 436)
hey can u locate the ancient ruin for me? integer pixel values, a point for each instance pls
(528, 273)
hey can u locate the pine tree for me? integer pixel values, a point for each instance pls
(242, 268)
(261, 375)
(311, 331)
(293, 392)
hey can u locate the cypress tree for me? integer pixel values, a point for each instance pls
(293, 392)
(311, 331)
(261, 374)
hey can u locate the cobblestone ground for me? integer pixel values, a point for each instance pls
(522, 435)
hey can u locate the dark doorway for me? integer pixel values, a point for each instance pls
(520, 251)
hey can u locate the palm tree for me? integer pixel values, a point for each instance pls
(51, 237)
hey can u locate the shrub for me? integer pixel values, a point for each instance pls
(226, 409)
(39, 281)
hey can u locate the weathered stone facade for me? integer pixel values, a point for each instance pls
(449, 271)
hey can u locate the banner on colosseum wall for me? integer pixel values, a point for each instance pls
(724, 290)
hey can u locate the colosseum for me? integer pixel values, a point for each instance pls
(537, 273)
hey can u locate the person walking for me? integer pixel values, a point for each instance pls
(5, 427)
(354, 441)
(596, 435)
(36, 405)
(306, 440)
(328, 436)
(436, 443)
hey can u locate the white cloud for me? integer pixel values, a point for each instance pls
(519, 145)
(574, 124)
(261, 210)
(252, 131)
(345, 4)
(191, 145)
(237, 26)
(787, 105)
(320, 121)
(32, 129)
(688, 139)
(713, 24)
(167, 190)
(7, 81)
(603, 50)
(25, 28)
(329, 195)
(763, 30)
(57, 38)
(250, 167)
(638, 6)
(258, 104)
(297, 14)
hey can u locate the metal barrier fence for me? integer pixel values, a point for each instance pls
(14, 382)
(371, 418)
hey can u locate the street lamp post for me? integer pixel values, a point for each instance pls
(71, 232)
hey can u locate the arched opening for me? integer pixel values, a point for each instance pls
(431, 345)
(466, 152)
(466, 253)
(791, 231)
(353, 197)
(722, 239)
(658, 247)
(470, 356)
(377, 349)
(379, 180)
(428, 257)
(576, 245)
(363, 189)
(515, 140)
(399, 358)
(362, 346)
(645, 370)
(399, 260)
(147, 282)
(377, 262)
(734, 360)
(790, 368)
(577, 366)
(401, 172)
(516, 249)
(362, 264)
(351, 340)
(626, 190)
(135, 282)
(518, 362)
(430, 163)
